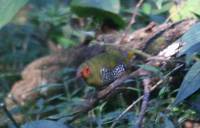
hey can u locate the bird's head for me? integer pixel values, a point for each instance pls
(84, 72)
(89, 72)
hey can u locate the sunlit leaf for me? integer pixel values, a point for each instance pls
(8, 9)
(147, 8)
(185, 10)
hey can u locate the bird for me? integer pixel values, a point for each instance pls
(105, 68)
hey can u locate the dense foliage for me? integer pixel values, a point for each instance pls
(44, 27)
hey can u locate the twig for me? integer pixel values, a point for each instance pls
(131, 22)
(147, 84)
(147, 90)
(132, 105)
(9, 115)
(141, 97)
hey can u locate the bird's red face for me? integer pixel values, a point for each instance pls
(84, 72)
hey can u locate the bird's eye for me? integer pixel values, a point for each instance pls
(86, 72)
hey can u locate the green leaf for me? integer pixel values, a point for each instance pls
(165, 8)
(99, 9)
(65, 41)
(190, 83)
(8, 9)
(149, 68)
(159, 3)
(191, 41)
(44, 124)
(147, 8)
(185, 10)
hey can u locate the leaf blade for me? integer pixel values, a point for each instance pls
(8, 9)
(190, 84)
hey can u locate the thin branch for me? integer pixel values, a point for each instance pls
(147, 90)
(9, 115)
(131, 22)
